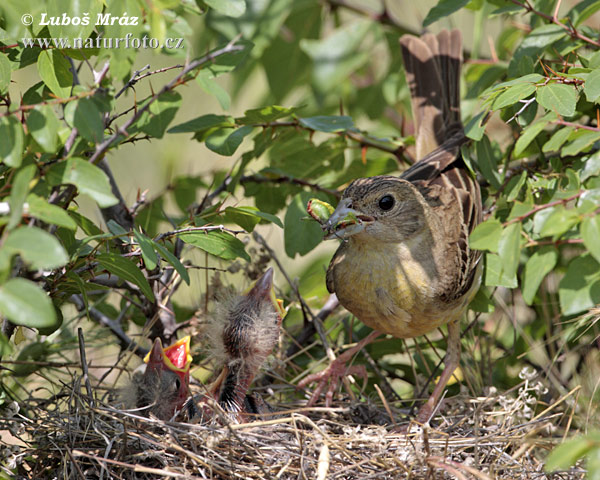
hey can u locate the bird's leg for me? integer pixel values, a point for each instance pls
(336, 370)
(451, 362)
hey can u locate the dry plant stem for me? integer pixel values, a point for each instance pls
(84, 367)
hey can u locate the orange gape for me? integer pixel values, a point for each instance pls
(405, 266)
(163, 388)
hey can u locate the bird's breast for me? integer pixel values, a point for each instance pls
(387, 288)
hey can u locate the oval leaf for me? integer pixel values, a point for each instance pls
(11, 146)
(37, 248)
(558, 98)
(55, 71)
(24, 303)
(217, 243)
(88, 179)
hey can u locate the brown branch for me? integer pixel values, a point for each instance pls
(287, 179)
(537, 208)
(572, 31)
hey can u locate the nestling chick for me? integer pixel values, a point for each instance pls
(163, 388)
(245, 331)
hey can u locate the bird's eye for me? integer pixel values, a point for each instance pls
(177, 383)
(386, 202)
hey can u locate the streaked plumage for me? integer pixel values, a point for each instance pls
(404, 266)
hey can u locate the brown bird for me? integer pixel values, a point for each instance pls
(245, 331)
(404, 266)
(163, 387)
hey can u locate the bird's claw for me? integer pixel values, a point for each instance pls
(330, 378)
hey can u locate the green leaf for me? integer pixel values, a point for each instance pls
(443, 9)
(336, 57)
(148, 253)
(486, 162)
(173, 260)
(592, 86)
(566, 454)
(512, 95)
(486, 235)
(217, 243)
(590, 232)
(36, 247)
(474, 128)
(514, 185)
(559, 221)
(160, 114)
(88, 179)
(580, 141)
(207, 82)
(203, 122)
(227, 140)
(44, 126)
(80, 9)
(557, 139)
(268, 114)
(509, 249)
(24, 303)
(46, 212)
(537, 267)
(496, 275)
(579, 289)
(248, 217)
(54, 70)
(328, 124)
(85, 116)
(85, 224)
(229, 8)
(301, 237)
(558, 98)
(126, 270)
(18, 193)
(530, 133)
(5, 73)
(11, 146)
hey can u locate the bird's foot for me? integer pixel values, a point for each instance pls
(330, 378)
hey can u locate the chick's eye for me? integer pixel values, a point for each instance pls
(177, 384)
(386, 202)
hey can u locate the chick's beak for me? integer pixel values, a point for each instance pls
(263, 290)
(176, 357)
(345, 221)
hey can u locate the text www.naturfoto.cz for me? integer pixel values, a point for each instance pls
(129, 41)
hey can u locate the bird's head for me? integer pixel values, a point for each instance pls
(383, 208)
(168, 371)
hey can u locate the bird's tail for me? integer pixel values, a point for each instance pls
(432, 64)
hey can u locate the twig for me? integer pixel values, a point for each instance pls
(101, 318)
(84, 367)
(122, 130)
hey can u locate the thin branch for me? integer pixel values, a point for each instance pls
(287, 179)
(206, 228)
(537, 208)
(572, 31)
(122, 130)
(115, 327)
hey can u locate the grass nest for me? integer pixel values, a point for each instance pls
(74, 434)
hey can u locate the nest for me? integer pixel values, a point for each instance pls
(74, 435)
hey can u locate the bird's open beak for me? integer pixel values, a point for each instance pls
(263, 289)
(345, 221)
(176, 357)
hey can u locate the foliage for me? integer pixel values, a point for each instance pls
(530, 107)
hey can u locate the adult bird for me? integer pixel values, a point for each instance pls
(163, 387)
(404, 266)
(244, 332)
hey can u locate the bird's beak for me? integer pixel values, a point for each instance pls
(345, 221)
(263, 290)
(176, 357)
